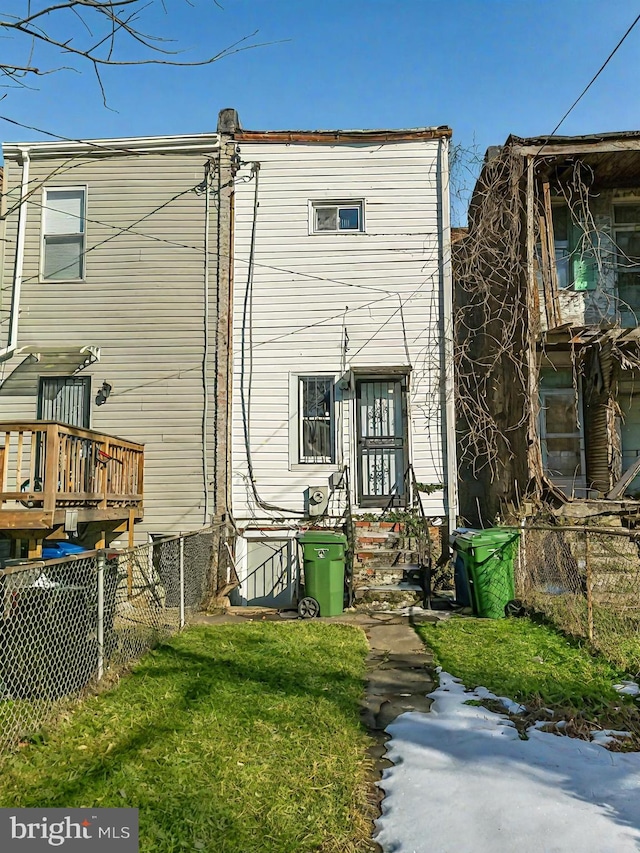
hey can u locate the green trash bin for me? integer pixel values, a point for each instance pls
(324, 567)
(488, 557)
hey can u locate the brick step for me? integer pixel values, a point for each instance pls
(390, 587)
(389, 552)
(624, 555)
(385, 575)
(380, 526)
(610, 563)
(391, 541)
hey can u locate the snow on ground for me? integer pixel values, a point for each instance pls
(464, 782)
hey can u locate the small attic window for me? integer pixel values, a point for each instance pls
(336, 217)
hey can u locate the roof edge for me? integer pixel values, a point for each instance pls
(342, 136)
(201, 142)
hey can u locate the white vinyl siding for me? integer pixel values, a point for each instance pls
(63, 233)
(324, 303)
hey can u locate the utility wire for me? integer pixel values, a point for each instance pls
(128, 229)
(595, 77)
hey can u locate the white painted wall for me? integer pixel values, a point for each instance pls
(382, 287)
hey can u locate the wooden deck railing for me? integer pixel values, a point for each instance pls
(49, 466)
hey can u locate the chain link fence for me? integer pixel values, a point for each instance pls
(65, 624)
(587, 582)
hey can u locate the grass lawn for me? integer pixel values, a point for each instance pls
(526, 661)
(230, 738)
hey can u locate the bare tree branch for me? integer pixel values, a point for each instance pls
(93, 31)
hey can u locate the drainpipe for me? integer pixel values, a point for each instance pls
(205, 359)
(12, 343)
(451, 474)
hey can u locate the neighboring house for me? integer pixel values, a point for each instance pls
(547, 286)
(114, 297)
(342, 337)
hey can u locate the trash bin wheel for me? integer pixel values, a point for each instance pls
(308, 608)
(514, 608)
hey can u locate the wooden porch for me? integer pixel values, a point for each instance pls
(57, 479)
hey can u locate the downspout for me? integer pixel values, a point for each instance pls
(451, 473)
(12, 342)
(205, 355)
(229, 365)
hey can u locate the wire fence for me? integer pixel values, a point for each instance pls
(66, 624)
(587, 582)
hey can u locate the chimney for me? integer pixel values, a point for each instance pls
(228, 121)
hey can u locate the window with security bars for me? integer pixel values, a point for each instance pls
(63, 237)
(315, 416)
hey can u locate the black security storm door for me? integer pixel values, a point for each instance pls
(66, 399)
(381, 417)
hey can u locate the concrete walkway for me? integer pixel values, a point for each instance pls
(400, 672)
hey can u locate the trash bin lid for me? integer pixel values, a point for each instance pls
(324, 537)
(495, 536)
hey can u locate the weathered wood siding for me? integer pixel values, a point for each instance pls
(142, 302)
(379, 290)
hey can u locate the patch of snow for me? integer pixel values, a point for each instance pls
(628, 688)
(607, 736)
(464, 782)
(510, 706)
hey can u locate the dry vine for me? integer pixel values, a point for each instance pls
(505, 310)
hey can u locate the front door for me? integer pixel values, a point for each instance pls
(381, 418)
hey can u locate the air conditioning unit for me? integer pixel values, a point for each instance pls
(316, 500)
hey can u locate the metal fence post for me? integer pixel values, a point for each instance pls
(589, 584)
(181, 565)
(100, 581)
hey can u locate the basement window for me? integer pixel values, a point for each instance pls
(329, 217)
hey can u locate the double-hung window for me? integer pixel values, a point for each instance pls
(316, 432)
(626, 223)
(63, 238)
(331, 217)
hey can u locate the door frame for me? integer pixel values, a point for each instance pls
(399, 499)
(86, 396)
(569, 485)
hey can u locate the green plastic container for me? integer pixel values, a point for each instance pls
(488, 557)
(324, 566)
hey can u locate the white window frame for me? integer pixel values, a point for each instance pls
(83, 188)
(314, 204)
(295, 422)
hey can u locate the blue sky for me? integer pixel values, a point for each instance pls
(487, 68)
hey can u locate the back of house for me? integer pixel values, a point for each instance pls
(342, 385)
